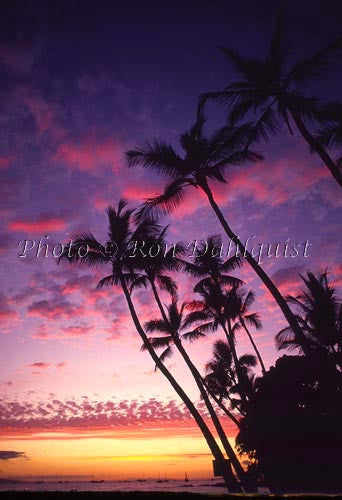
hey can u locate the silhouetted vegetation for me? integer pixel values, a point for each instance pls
(288, 416)
(292, 427)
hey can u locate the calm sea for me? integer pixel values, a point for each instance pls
(195, 486)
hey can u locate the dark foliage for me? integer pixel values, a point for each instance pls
(293, 426)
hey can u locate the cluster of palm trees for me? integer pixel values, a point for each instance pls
(222, 304)
(267, 92)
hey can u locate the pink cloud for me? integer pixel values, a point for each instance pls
(41, 333)
(54, 310)
(40, 365)
(61, 365)
(76, 330)
(87, 414)
(90, 155)
(335, 275)
(42, 111)
(287, 279)
(8, 316)
(6, 313)
(42, 224)
(4, 162)
(79, 283)
(138, 193)
(271, 183)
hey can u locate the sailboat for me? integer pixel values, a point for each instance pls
(186, 479)
(96, 480)
(143, 480)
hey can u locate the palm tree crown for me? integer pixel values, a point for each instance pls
(204, 158)
(179, 326)
(320, 312)
(277, 90)
(87, 251)
(209, 265)
(330, 133)
(222, 378)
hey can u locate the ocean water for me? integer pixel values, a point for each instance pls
(174, 485)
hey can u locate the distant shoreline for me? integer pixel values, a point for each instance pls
(143, 495)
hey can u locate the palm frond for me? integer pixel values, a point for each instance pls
(285, 339)
(167, 283)
(249, 68)
(330, 135)
(85, 250)
(158, 156)
(193, 335)
(248, 360)
(166, 354)
(160, 342)
(253, 319)
(266, 125)
(231, 263)
(139, 282)
(107, 281)
(194, 317)
(166, 202)
(157, 325)
(308, 108)
(306, 71)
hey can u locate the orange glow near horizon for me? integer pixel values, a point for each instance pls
(117, 455)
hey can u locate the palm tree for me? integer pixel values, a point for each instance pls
(204, 159)
(221, 373)
(150, 266)
(330, 134)
(243, 301)
(319, 311)
(84, 249)
(219, 306)
(175, 327)
(154, 267)
(277, 91)
(210, 266)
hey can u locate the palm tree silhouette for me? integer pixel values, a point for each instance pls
(221, 375)
(210, 266)
(278, 92)
(319, 311)
(176, 326)
(204, 159)
(330, 133)
(84, 249)
(151, 267)
(154, 268)
(243, 301)
(219, 306)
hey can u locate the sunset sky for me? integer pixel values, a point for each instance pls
(82, 83)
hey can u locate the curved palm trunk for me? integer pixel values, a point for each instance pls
(220, 431)
(216, 399)
(213, 446)
(198, 375)
(259, 271)
(198, 379)
(230, 340)
(263, 369)
(317, 147)
(220, 404)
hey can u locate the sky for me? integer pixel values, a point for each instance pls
(81, 83)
